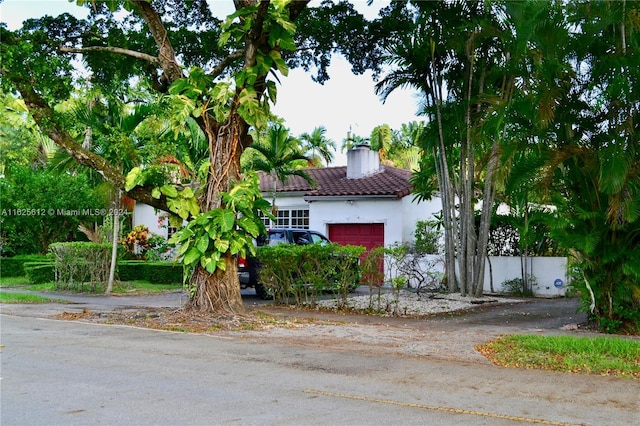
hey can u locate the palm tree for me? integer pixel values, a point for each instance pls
(279, 155)
(351, 141)
(109, 127)
(319, 145)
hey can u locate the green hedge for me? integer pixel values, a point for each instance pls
(305, 272)
(14, 266)
(40, 272)
(154, 272)
(41, 269)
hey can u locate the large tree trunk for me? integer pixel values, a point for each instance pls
(220, 292)
(216, 293)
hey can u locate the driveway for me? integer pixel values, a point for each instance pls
(447, 337)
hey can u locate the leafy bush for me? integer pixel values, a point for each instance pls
(136, 243)
(304, 272)
(42, 207)
(518, 287)
(14, 266)
(81, 263)
(427, 237)
(40, 273)
(159, 249)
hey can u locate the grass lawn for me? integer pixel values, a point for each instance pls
(605, 356)
(125, 287)
(25, 298)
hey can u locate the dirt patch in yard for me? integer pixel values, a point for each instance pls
(449, 335)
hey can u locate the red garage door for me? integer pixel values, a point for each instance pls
(369, 235)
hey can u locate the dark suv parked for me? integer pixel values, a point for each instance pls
(248, 268)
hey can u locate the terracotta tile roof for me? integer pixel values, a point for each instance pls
(332, 182)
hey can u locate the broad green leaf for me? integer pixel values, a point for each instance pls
(192, 256)
(134, 177)
(222, 265)
(202, 244)
(169, 191)
(227, 220)
(187, 192)
(222, 245)
(210, 266)
(175, 221)
(280, 64)
(184, 246)
(193, 206)
(183, 211)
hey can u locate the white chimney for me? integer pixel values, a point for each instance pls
(362, 162)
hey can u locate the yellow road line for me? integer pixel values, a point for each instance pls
(438, 408)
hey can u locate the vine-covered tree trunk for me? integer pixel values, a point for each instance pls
(220, 292)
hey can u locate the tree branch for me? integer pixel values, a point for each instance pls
(166, 54)
(219, 69)
(117, 50)
(44, 117)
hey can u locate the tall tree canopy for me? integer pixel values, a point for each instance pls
(220, 73)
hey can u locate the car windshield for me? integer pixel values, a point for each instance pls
(276, 237)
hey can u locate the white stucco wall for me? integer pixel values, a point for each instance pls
(398, 216)
(144, 214)
(550, 274)
(413, 211)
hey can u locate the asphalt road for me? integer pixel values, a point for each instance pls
(69, 372)
(66, 372)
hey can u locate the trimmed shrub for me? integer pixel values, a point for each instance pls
(14, 266)
(163, 272)
(154, 272)
(40, 273)
(129, 270)
(304, 272)
(80, 263)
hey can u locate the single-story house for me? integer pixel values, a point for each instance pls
(363, 203)
(369, 204)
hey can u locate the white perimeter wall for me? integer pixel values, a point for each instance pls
(550, 273)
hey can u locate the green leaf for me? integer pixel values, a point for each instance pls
(134, 177)
(222, 245)
(227, 220)
(210, 266)
(615, 167)
(202, 244)
(169, 191)
(175, 221)
(155, 193)
(222, 265)
(279, 62)
(192, 256)
(193, 206)
(249, 226)
(187, 193)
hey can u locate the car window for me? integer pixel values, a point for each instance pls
(300, 238)
(317, 238)
(277, 238)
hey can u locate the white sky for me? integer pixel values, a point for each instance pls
(344, 102)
